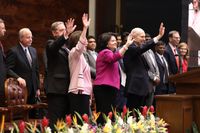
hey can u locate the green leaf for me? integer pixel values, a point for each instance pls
(15, 127)
(79, 116)
(194, 128)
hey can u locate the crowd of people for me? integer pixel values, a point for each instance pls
(127, 69)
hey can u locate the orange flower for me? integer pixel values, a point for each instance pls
(96, 115)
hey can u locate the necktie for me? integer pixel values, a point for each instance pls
(165, 77)
(176, 57)
(28, 56)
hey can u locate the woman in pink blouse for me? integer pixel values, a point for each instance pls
(80, 87)
(107, 80)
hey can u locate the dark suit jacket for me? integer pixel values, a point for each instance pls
(137, 81)
(92, 63)
(169, 56)
(2, 76)
(58, 76)
(18, 66)
(161, 68)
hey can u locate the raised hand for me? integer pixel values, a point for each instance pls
(161, 30)
(86, 23)
(129, 40)
(86, 20)
(70, 27)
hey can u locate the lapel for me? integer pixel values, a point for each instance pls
(23, 55)
(2, 55)
(171, 53)
(159, 61)
(64, 51)
(91, 58)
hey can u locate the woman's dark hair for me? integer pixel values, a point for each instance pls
(74, 38)
(104, 39)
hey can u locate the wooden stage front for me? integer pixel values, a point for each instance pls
(183, 108)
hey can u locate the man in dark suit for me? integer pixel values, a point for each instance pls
(2, 63)
(58, 76)
(162, 87)
(137, 82)
(22, 63)
(172, 55)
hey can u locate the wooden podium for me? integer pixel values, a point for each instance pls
(181, 109)
(187, 83)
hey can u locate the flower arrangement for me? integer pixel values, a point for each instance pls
(124, 123)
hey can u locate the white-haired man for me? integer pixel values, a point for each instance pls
(22, 63)
(137, 81)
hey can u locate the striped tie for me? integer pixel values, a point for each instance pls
(28, 56)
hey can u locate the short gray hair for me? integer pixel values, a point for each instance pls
(55, 25)
(171, 33)
(136, 31)
(22, 31)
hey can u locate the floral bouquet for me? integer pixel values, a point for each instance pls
(123, 123)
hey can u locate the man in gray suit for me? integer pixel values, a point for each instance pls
(91, 55)
(153, 73)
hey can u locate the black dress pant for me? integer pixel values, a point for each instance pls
(33, 113)
(58, 107)
(105, 100)
(79, 103)
(135, 101)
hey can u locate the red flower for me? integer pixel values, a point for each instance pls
(21, 126)
(68, 120)
(144, 111)
(85, 118)
(45, 122)
(151, 109)
(110, 114)
(124, 111)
